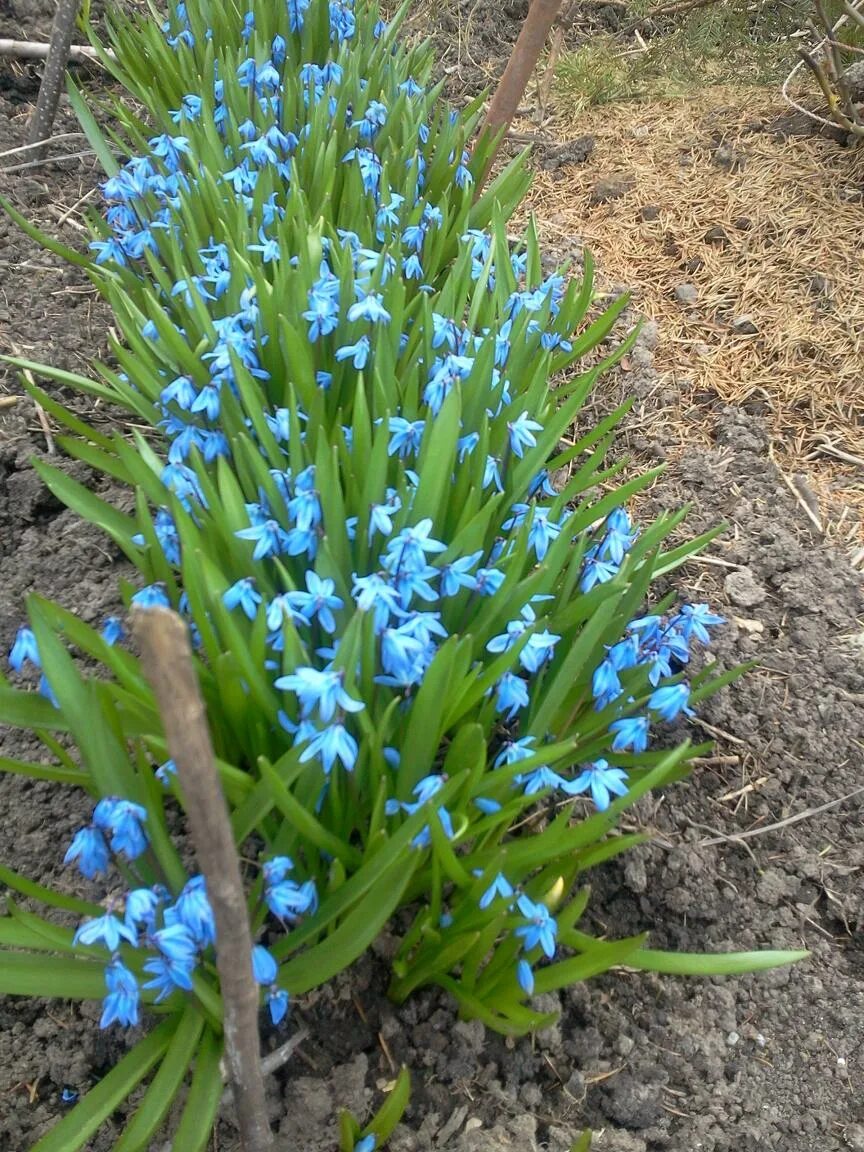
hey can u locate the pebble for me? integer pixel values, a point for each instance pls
(687, 294)
(743, 589)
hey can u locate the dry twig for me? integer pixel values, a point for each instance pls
(168, 665)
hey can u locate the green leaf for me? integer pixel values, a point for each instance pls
(57, 773)
(165, 1084)
(202, 1105)
(391, 1111)
(94, 136)
(34, 891)
(76, 1128)
(24, 974)
(711, 964)
(43, 239)
(597, 958)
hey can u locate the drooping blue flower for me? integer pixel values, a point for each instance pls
(141, 906)
(525, 976)
(192, 910)
(89, 850)
(264, 967)
(112, 630)
(405, 436)
(124, 820)
(670, 701)
(630, 733)
(277, 1002)
(152, 596)
(289, 901)
(605, 685)
(367, 1143)
(120, 1006)
(511, 695)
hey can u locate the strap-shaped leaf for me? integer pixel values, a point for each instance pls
(165, 1084)
(26, 974)
(202, 1103)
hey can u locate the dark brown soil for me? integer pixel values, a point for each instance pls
(769, 1062)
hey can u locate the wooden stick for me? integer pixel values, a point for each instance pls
(167, 660)
(522, 62)
(36, 50)
(62, 31)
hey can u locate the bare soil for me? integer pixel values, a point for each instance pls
(762, 847)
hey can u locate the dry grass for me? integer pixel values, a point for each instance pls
(779, 318)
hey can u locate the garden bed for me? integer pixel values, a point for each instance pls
(649, 1063)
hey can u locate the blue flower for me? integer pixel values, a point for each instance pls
(500, 887)
(631, 732)
(521, 432)
(123, 820)
(288, 901)
(605, 685)
(542, 928)
(670, 701)
(141, 905)
(89, 849)
(319, 688)
(405, 436)
(106, 930)
(319, 601)
(458, 574)
(245, 594)
(112, 630)
(370, 308)
(512, 695)
(120, 1006)
(277, 1001)
(525, 976)
(696, 619)
(603, 782)
(192, 910)
(332, 744)
(367, 1144)
(358, 353)
(169, 974)
(270, 538)
(153, 596)
(264, 967)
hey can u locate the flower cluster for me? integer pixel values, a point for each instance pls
(418, 608)
(175, 934)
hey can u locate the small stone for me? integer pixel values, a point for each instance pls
(732, 1039)
(743, 589)
(624, 1045)
(751, 627)
(639, 131)
(744, 326)
(649, 212)
(687, 294)
(717, 235)
(612, 188)
(742, 223)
